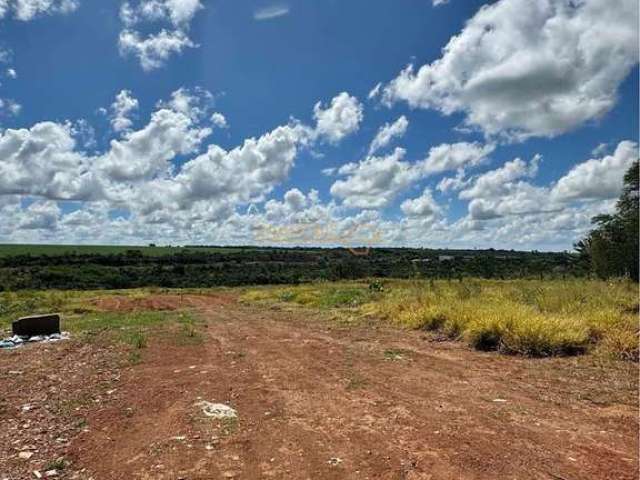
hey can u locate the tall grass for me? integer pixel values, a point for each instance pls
(528, 317)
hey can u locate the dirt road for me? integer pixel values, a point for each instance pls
(317, 401)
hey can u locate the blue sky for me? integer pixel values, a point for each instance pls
(535, 120)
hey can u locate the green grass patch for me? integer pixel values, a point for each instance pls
(315, 295)
(134, 330)
(9, 250)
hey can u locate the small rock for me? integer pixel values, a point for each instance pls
(37, 474)
(25, 455)
(51, 473)
(334, 461)
(217, 410)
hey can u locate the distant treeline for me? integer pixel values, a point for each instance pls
(206, 267)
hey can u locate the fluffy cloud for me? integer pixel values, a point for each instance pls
(42, 161)
(597, 178)
(522, 68)
(196, 103)
(40, 215)
(375, 181)
(154, 49)
(121, 109)
(47, 161)
(452, 156)
(219, 120)
(146, 153)
(339, 119)
(242, 175)
(423, 206)
(304, 219)
(507, 191)
(387, 133)
(137, 174)
(456, 183)
(26, 10)
(496, 183)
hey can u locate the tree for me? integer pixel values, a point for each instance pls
(613, 244)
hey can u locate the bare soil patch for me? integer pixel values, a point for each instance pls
(121, 303)
(317, 401)
(46, 393)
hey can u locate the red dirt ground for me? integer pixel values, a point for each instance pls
(316, 401)
(161, 302)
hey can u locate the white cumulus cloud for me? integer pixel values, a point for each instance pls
(122, 108)
(522, 68)
(340, 118)
(154, 49)
(453, 156)
(598, 178)
(375, 181)
(423, 206)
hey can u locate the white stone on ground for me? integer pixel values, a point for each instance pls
(217, 410)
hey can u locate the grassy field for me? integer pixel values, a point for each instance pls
(528, 317)
(81, 317)
(9, 250)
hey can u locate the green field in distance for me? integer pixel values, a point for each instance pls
(9, 250)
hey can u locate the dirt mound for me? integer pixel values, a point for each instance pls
(160, 302)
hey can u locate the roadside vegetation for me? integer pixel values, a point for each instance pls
(528, 317)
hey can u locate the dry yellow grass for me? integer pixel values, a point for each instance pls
(529, 317)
